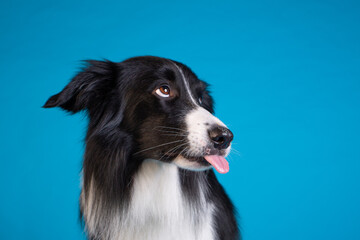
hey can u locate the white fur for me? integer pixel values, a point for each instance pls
(158, 210)
(186, 85)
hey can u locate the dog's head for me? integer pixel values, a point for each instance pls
(158, 107)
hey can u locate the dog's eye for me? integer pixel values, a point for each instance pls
(200, 100)
(163, 91)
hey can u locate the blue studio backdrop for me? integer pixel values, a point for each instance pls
(285, 76)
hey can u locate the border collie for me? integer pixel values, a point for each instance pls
(151, 143)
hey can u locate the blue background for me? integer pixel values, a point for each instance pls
(285, 76)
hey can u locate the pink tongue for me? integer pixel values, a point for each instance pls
(218, 162)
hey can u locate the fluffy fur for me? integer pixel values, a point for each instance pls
(144, 172)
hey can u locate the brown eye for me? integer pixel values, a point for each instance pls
(163, 91)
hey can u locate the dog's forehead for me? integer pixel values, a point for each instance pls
(152, 69)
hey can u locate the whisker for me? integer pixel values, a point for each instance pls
(230, 158)
(185, 149)
(162, 131)
(233, 150)
(169, 131)
(178, 131)
(173, 128)
(188, 153)
(172, 150)
(176, 135)
(176, 148)
(160, 145)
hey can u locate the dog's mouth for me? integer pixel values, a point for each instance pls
(217, 161)
(212, 158)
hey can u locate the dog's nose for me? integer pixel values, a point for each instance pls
(221, 137)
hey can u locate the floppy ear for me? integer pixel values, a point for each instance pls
(87, 88)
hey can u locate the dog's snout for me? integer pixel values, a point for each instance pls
(221, 137)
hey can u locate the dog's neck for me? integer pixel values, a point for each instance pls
(159, 207)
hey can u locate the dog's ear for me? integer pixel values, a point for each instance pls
(87, 88)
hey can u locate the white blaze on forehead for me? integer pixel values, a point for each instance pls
(186, 84)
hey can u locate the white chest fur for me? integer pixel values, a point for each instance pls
(158, 209)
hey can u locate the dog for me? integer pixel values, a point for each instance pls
(151, 145)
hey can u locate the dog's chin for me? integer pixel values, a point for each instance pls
(192, 164)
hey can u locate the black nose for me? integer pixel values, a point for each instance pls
(221, 137)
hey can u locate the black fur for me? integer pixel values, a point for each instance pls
(124, 116)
